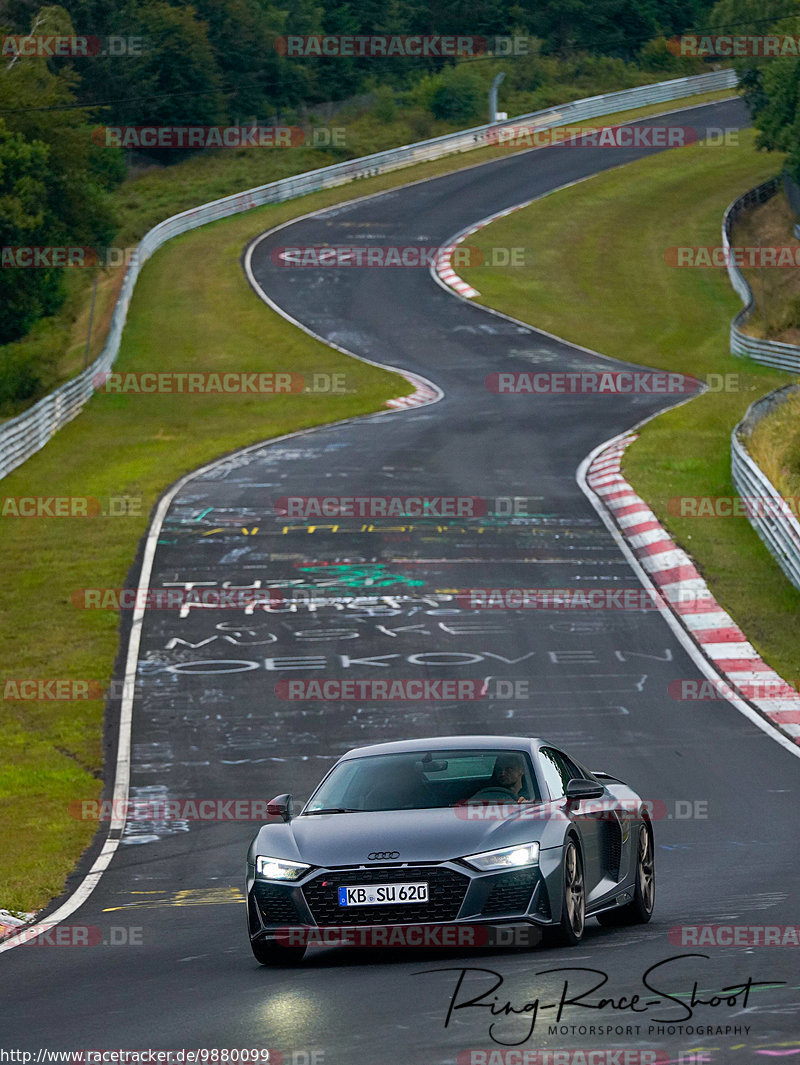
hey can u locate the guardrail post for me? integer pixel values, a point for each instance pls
(493, 97)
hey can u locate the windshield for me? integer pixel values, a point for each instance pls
(426, 780)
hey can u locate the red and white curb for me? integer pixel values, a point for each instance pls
(680, 586)
(443, 267)
(445, 271)
(11, 922)
(426, 392)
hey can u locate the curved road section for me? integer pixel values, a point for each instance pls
(371, 597)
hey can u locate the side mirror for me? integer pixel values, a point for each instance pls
(579, 789)
(280, 806)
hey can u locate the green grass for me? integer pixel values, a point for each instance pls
(205, 318)
(158, 193)
(596, 274)
(57, 344)
(775, 441)
(776, 291)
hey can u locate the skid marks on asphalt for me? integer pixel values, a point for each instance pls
(216, 896)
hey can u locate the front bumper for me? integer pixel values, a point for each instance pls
(458, 895)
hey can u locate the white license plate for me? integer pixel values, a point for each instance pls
(382, 894)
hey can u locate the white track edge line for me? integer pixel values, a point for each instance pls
(122, 771)
(703, 664)
(451, 245)
(678, 629)
(410, 375)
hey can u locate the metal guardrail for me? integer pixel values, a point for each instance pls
(769, 514)
(22, 436)
(772, 353)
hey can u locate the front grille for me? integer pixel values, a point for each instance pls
(510, 893)
(446, 890)
(276, 905)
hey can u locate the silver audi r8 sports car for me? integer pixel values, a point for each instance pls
(449, 833)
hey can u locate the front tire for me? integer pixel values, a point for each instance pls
(270, 952)
(640, 909)
(569, 931)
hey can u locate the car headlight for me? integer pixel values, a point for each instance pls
(506, 858)
(279, 868)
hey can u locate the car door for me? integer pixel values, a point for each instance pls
(589, 817)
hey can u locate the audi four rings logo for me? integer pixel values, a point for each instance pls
(382, 856)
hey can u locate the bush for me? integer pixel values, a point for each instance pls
(28, 369)
(458, 97)
(385, 105)
(420, 123)
(656, 56)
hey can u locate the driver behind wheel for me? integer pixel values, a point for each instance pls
(509, 775)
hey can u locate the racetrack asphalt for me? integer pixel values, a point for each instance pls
(208, 722)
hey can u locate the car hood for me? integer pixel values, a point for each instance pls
(417, 835)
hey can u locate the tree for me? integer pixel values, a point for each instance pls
(177, 78)
(54, 183)
(25, 222)
(770, 85)
(458, 97)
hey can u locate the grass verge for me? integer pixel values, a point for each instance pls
(205, 318)
(775, 446)
(776, 291)
(136, 446)
(599, 277)
(775, 442)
